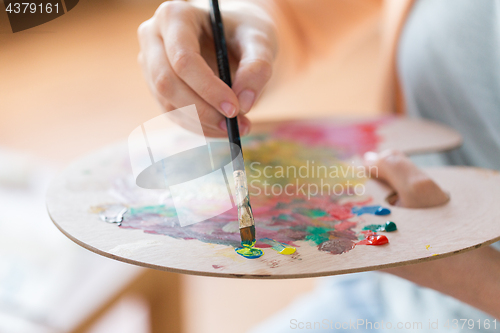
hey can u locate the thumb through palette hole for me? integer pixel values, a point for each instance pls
(393, 200)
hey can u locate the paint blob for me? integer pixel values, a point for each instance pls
(374, 210)
(281, 248)
(389, 226)
(337, 246)
(112, 213)
(374, 239)
(249, 251)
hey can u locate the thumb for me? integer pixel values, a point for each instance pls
(414, 188)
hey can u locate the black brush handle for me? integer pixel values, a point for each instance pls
(233, 131)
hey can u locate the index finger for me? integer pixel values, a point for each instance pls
(181, 39)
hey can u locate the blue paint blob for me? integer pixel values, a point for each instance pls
(382, 211)
(249, 251)
(374, 210)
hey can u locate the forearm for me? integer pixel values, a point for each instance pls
(472, 277)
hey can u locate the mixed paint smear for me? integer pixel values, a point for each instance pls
(279, 226)
(281, 248)
(328, 222)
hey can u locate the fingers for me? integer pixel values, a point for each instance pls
(180, 28)
(414, 188)
(244, 125)
(175, 57)
(254, 70)
(170, 91)
(250, 79)
(221, 132)
(254, 43)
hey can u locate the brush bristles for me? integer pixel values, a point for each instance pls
(247, 235)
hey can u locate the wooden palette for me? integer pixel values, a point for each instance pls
(464, 223)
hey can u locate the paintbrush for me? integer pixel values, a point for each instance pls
(245, 215)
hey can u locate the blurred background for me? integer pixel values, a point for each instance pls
(73, 85)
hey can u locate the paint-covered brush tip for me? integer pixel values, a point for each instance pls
(247, 235)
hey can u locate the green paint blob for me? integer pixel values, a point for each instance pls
(389, 226)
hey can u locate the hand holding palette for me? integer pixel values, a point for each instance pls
(315, 211)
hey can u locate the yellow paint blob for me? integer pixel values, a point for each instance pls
(249, 251)
(288, 250)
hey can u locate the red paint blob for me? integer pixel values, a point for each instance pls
(374, 239)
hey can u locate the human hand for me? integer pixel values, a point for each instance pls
(178, 61)
(413, 187)
(471, 277)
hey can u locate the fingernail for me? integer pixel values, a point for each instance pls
(370, 156)
(223, 125)
(228, 109)
(246, 98)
